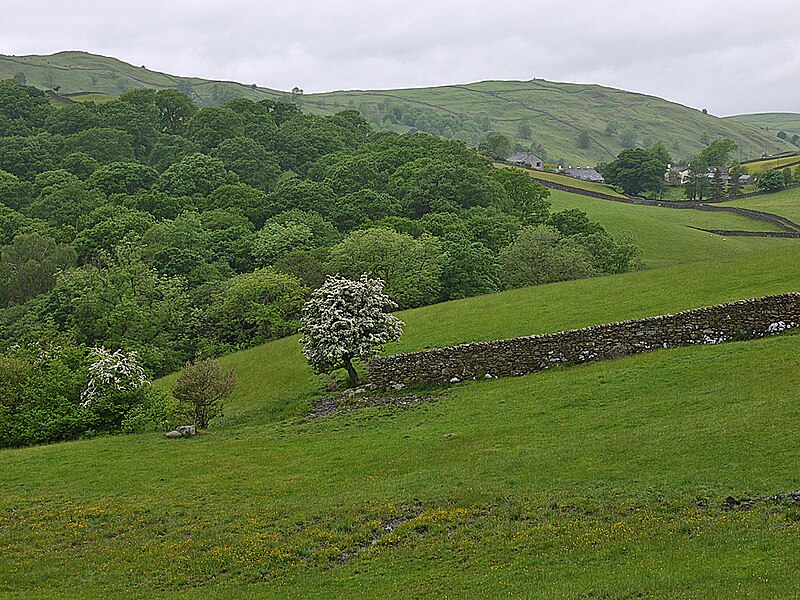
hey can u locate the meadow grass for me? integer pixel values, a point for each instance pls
(772, 163)
(600, 480)
(665, 234)
(785, 203)
(96, 98)
(772, 122)
(585, 302)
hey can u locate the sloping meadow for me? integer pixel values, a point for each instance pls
(607, 479)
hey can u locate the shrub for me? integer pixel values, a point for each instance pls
(201, 389)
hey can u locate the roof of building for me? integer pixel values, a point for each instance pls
(722, 170)
(526, 157)
(585, 174)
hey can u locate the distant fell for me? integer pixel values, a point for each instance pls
(565, 123)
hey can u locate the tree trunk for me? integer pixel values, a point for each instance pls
(351, 372)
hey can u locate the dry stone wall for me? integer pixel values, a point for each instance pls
(745, 319)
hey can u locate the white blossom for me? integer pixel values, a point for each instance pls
(346, 320)
(118, 370)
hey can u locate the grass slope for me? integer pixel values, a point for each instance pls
(603, 480)
(556, 112)
(559, 112)
(772, 122)
(785, 203)
(664, 233)
(787, 159)
(85, 72)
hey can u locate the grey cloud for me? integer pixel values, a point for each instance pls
(728, 55)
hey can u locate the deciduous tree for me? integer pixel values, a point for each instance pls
(346, 321)
(202, 388)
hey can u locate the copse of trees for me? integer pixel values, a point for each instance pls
(149, 225)
(638, 171)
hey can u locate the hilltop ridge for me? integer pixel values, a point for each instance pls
(548, 116)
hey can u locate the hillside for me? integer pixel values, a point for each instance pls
(75, 72)
(615, 479)
(546, 114)
(772, 122)
(785, 203)
(557, 113)
(600, 481)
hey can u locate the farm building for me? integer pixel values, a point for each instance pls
(583, 174)
(677, 175)
(529, 159)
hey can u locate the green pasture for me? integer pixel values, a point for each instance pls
(96, 98)
(780, 162)
(772, 122)
(602, 480)
(107, 76)
(785, 203)
(665, 234)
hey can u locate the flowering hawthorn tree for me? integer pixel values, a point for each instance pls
(118, 370)
(347, 320)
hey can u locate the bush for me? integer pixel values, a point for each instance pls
(201, 389)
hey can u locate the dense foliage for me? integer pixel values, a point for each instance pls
(638, 171)
(149, 225)
(51, 393)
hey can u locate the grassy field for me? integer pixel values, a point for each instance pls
(96, 98)
(785, 203)
(788, 160)
(772, 122)
(664, 233)
(84, 72)
(557, 113)
(604, 480)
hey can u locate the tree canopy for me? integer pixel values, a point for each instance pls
(637, 171)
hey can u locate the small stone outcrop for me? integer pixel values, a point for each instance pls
(182, 431)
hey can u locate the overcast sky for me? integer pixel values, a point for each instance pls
(729, 56)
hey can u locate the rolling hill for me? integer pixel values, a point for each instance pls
(604, 480)
(601, 480)
(772, 122)
(549, 115)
